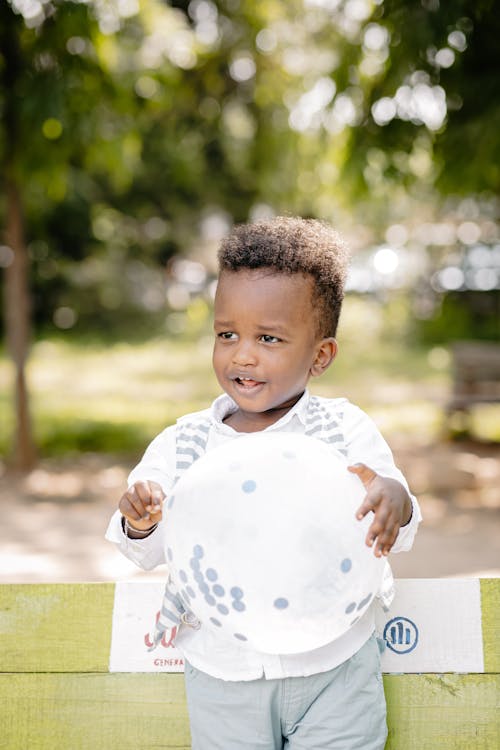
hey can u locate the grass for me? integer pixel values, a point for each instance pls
(116, 397)
(108, 397)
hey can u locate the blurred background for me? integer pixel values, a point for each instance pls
(134, 134)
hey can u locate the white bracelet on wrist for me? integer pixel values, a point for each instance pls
(143, 533)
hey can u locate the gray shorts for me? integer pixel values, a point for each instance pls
(342, 709)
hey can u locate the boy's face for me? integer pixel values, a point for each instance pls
(266, 343)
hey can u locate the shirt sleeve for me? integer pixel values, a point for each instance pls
(365, 444)
(157, 465)
(158, 462)
(146, 553)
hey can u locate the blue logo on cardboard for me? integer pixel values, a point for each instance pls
(401, 635)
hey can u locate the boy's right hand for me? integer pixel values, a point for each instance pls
(141, 505)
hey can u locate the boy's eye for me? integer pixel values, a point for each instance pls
(268, 339)
(226, 335)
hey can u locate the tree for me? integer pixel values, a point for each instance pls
(435, 94)
(17, 300)
(108, 124)
(38, 101)
(120, 134)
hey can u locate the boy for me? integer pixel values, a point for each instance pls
(276, 312)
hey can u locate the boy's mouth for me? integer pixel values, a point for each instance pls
(247, 382)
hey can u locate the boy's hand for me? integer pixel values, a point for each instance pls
(141, 505)
(390, 503)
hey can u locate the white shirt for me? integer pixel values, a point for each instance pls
(208, 650)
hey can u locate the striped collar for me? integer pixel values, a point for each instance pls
(224, 405)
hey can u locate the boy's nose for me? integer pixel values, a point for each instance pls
(244, 354)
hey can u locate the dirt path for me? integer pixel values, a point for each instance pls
(53, 520)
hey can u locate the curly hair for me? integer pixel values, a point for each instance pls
(294, 245)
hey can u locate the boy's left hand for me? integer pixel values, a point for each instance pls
(390, 503)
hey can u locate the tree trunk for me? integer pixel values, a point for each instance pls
(18, 325)
(17, 307)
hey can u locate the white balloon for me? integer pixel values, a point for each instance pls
(263, 543)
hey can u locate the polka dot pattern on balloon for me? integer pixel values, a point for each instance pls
(249, 486)
(354, 605)
(346, 565)
(286, 579)
(364, 602)
(209, 592)
(281, 603)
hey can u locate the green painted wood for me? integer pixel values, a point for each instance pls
(443, 712)
(93, 712)
(56, 692)
(146, 711)
(55, 627)
(490, 612)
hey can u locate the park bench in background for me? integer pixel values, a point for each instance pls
(476, 378)
(76, 673)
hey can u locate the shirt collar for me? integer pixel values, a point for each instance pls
(224, 405)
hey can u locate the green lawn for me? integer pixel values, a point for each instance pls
(109, 397)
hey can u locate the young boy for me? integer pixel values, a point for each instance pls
(277, 307)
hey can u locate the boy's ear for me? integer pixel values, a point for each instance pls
(325, 354)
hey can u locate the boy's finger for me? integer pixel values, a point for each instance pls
(134, 497)
(142, 490)
(382, 550)
(156, 497)
(385, 540)
(364, 472)
(147, 497)
(363, 510)
(128, 509)
(369, 504)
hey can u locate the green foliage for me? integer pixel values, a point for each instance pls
(463, 315)
(54, 438)
(183, 109)
(452, 45)
(129, 132)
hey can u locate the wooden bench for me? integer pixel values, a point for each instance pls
(76, 673)
(476, 378)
